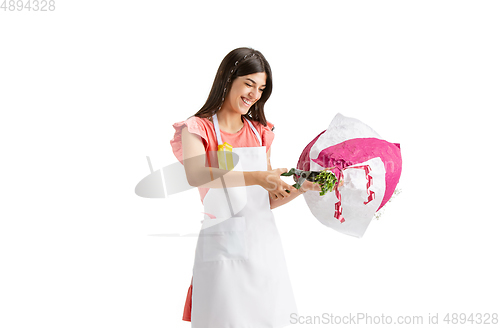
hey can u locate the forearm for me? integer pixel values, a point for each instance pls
(294, 193)
(210, 177)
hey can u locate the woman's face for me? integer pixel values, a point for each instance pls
(245, 91)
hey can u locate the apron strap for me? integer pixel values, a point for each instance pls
(216, 126)
(217, 130)
(254, 130)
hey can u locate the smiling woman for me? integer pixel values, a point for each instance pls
(240, 276)
(241, 67)
(245, 92)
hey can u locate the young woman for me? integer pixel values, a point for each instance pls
(240, 276)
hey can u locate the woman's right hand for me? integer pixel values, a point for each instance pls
(271, 181)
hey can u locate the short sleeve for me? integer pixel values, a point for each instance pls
(267, 135)
(194, 126)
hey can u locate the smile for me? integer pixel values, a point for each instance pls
(246, 101)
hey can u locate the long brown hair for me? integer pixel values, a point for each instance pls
(239, 62)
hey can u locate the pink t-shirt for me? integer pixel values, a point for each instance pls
(205, 129)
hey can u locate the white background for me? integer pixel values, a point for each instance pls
(89, 90)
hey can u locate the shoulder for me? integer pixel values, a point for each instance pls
(194, 124)
(198, 121)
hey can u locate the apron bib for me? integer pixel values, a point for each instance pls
(240, 277)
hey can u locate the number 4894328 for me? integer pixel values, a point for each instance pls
(28, 5)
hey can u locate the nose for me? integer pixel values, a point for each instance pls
(254, 94)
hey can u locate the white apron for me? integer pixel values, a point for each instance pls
(240, 277)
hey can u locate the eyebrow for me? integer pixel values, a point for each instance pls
(254, 81)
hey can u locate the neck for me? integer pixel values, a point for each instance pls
(229, 121)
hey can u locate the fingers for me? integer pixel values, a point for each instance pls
(280, 195)
(286, 186)
(282, 186)
(308, 185)
(281, 190)
(277, 187)
(281, 170)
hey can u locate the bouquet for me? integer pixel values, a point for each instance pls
(362, 169)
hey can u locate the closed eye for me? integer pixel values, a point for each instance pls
(249, 85)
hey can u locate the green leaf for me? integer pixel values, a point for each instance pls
(327, 180)
(291, 172)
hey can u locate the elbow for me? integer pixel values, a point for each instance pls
(192, 178)
(193, 181)
(198, 176)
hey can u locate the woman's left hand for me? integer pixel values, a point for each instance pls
(308, 185)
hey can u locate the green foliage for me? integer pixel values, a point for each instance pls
(327, 180)
(287, 174)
